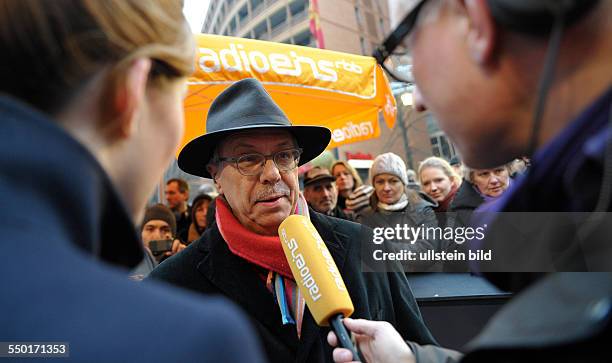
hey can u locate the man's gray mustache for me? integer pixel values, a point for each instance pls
(276, 189)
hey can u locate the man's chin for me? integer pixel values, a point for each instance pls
(272, 217)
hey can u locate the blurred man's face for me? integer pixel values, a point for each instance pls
(155, 229)
(174, 197)
(471, 93)
(322, 197)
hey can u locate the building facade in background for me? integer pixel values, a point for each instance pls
(351, 26)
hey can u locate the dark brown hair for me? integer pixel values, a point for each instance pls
(183, 187)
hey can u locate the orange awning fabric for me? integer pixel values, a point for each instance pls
(343, 92)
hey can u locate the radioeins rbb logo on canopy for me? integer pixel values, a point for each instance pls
(236, 58)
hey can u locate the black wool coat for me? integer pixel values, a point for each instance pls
(466, 201)
(209, 267)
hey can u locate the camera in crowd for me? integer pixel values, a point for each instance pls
(158, 247)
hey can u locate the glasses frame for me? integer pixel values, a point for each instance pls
(383, 51)
(236, 160)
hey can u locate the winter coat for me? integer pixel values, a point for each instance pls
(68, 242)
(414, 214)
(461, 208)
(209, 267)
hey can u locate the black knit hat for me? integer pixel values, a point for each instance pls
(246, 105)
(162, 213)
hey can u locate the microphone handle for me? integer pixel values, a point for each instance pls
(344, 338)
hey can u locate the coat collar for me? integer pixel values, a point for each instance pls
(65, 189)
(239, 281)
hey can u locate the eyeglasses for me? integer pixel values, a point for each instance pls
(253, 164)
(404, 28)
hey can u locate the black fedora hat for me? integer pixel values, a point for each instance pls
(246, 105)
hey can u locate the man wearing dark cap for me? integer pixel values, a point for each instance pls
(157, 231)
(160, 224)
(321, 193)
(252, 153)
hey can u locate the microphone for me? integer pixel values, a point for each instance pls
(317, 277)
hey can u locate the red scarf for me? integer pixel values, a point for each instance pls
(443, 205)
(264, 251)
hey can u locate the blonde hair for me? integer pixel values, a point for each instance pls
(53, 48)
(439, 163)
(356, 178)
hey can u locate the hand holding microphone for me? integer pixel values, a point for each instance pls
(378, 341)
(317, 277)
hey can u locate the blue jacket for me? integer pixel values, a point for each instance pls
(65, 234)
(548, 223)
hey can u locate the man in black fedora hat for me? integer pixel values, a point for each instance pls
(252, 152)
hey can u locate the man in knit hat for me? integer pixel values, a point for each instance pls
(252, 152)
(157, 232)
(159, 224)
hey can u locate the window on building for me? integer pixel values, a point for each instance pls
(298, 7)
(358, 15)
(232, 26)
(243, 13)
(304, 38)
(278, 19)
(223, 10)
(441, 147)
(260, 29)
(381, 24)
(256, 7)
(363, 45)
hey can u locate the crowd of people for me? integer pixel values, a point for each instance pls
(91, 114)
(438, 195)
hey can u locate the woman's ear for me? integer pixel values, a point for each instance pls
(127, 95)
(481, 36)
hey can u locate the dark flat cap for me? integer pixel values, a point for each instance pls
(317, 175)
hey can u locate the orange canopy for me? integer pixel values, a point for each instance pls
(343, 92)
